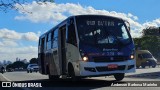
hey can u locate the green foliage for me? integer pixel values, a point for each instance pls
(34, 60)
(151, 31)
(9, 66)
(17, 64)
(151, 43)
(20, 64)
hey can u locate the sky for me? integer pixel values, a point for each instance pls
(20, 30)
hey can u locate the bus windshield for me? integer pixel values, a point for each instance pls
(101, 30)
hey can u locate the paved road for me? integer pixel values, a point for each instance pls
(147, 74)
(100, 83)
(23, 76)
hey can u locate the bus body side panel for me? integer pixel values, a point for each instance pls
(72, 56)
(41, 55)
(40, 63)
(54, 62)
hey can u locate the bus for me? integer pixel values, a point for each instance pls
(87, 46)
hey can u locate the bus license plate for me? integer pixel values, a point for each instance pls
(112, 66)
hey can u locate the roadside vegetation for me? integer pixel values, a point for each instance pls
(150, 40)
(21, 65)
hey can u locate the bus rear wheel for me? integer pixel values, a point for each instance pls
(119, 76)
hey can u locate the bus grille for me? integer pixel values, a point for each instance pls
(103, 69)
(110, 59)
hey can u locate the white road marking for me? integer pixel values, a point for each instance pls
(6, 78)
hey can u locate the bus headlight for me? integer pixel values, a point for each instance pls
(132, 56)
(85, 58)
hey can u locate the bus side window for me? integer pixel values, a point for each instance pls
(42, 45)
(55, 39)
(52, 38)
(39, 45)
(49, 41)
(71, 34)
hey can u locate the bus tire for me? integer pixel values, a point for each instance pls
(71, 72)
(119, 76)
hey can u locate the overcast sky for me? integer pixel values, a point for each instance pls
(20, 30)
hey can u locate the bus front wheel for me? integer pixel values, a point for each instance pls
(71, 72)
(119, 76)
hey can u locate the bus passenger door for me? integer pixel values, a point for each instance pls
(63, 49)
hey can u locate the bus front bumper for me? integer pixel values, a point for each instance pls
(98, 69)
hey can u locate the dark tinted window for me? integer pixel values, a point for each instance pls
(49, 36)
(71, 34)
(49, 41)
(55, 39)
(102, 30)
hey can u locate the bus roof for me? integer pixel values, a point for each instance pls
(80, 16)
(98, 15)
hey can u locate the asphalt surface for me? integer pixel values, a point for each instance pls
(96, 83)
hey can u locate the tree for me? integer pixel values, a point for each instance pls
(151, 43)
(34, 60)
(151, 31)
(5, 5)
(9, 66)
(18, 64)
